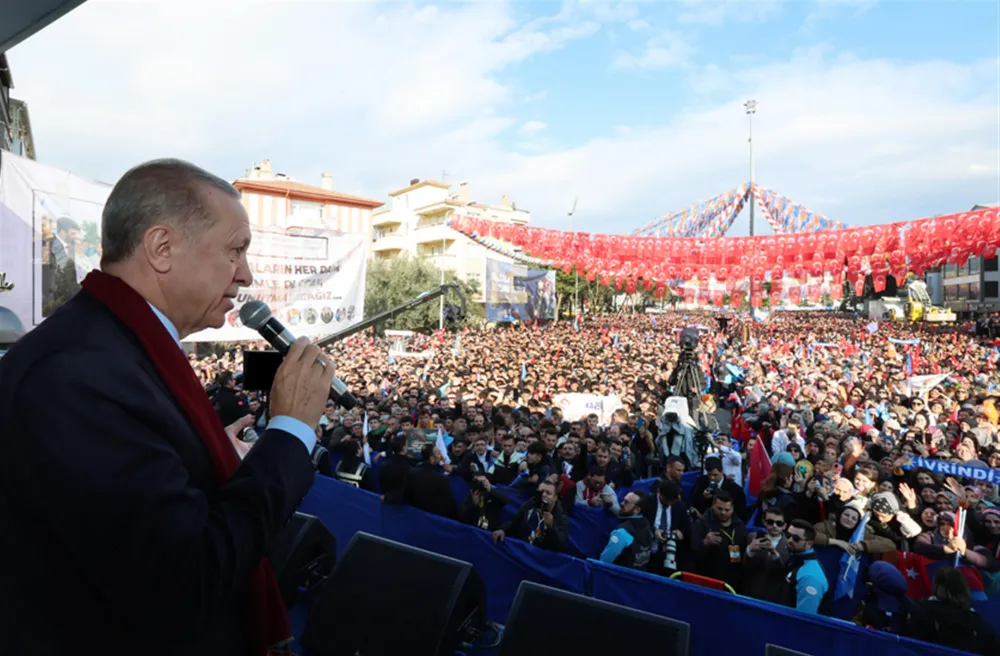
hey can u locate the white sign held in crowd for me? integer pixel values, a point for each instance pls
(920, 385)
(577, 406)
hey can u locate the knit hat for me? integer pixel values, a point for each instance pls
(786, 458)
(991, 512)
(950, 496)
(885, 502)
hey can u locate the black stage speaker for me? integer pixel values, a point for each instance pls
(302, 556)
(542, 617)
(775, 650)
(385, 599)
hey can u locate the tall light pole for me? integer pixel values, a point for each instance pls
(444, 247)
(751, 109)
(576, 273)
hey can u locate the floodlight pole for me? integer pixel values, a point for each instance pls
(576, 272)
(751, 108)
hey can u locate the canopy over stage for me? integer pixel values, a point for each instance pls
(22, 18)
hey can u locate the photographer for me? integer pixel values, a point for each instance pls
(677, 439)
(670, 519)
(541, 521)
(483, 506)
(713, 480)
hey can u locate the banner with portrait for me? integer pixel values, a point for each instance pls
(516, 293)
(313, 281)
(50, 227)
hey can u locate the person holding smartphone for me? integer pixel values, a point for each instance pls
(595, 492)
(767, 558)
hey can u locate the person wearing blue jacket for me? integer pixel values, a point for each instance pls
(807, 583)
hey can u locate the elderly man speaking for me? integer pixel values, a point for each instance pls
(130, 524)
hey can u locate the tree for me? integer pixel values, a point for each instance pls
(392, 282)
(566, 286)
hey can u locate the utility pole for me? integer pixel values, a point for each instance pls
(751, 109)
(576, 274)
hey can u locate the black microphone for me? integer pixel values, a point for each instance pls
(256, 315)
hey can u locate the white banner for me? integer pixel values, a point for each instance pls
(577, 406)
(50, 227)
(313, 281)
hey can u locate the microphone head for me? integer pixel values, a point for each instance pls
(254, 314)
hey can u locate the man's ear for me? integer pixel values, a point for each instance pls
(159, 243)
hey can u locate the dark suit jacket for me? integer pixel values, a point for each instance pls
(392, 477)
(117, 537)
(429, 490)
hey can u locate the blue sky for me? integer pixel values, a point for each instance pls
(868, 111)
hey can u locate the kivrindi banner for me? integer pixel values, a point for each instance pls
(956, 469)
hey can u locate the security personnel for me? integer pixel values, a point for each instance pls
(229, 403)
(352, 468)
(631, 544)
(806, 582)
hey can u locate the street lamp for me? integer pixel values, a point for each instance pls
(576, 273)
(751, 108)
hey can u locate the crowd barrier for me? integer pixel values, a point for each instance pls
(746, 624)
(589, 527)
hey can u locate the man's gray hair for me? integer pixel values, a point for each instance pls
(160, 191)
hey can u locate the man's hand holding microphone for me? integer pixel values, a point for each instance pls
(302, 383)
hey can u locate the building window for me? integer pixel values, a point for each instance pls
(951, 293)
(990, 289)
(305, 210)
(973, 291)
(990, 265)
(973, 265)
(950, 270)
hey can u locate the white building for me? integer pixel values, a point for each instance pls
(970, 288)
(274, 200)
(413, 222)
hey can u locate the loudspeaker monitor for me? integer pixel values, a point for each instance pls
(385, 598)
(302, 556)
(542, 617)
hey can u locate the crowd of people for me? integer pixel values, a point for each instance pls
(841, 406)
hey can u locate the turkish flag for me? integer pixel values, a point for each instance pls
(919, 572)
(760, 467)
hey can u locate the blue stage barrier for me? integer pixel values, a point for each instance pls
(346, 510)
(724, 623)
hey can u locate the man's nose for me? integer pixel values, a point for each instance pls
(244, 277)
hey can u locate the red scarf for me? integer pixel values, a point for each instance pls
(268, 619)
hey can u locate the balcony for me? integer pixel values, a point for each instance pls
(385, 218)
(432, 233)
(390, 242)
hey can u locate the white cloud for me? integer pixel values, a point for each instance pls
(531, 128)
(717, 12)
(668, 49)
(379, 94)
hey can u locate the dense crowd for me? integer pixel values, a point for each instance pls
(840, 406)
